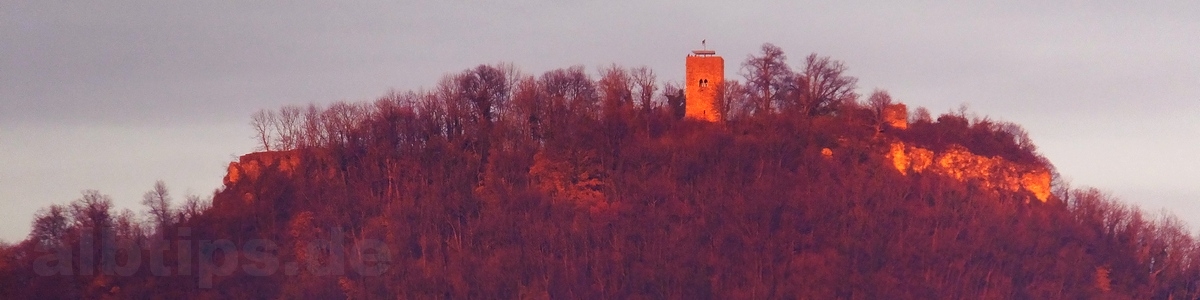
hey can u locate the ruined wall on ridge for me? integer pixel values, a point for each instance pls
(896, 115)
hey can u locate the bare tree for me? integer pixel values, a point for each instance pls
(1019, 135)
(646, 83)
(193, 206)
(340, 119)
(288, 127)
(315, 133)
(158, 204)
(455, 113)
(571, 97)
(512, 75)
(577, 88)
(528, 108)
(822, 86)
(921, 114)
(432, 115)
(733, 100)
(127, 226)
(767, 75)
(92, 212)
(483, 88)
(616, 89)
(879, 102)
(263, 122)
(49, 225)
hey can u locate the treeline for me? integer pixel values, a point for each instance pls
(500, 184)
(470, 103)
(82, 249)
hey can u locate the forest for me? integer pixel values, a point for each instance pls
(500, 184)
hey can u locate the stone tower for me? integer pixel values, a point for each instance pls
(705, 73)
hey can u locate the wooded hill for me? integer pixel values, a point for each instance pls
(498, 184)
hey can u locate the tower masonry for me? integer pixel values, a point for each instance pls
(705, 76)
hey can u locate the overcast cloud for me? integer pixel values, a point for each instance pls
(113, 95)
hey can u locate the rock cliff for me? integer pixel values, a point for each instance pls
(251, 166)
(959, 163)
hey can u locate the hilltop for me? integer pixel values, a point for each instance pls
(498, 184)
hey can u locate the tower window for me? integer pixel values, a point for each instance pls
(703, 82)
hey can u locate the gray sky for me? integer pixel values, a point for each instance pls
(113, 96)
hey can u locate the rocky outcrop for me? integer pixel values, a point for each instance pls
(251, 166)
(959, 163)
